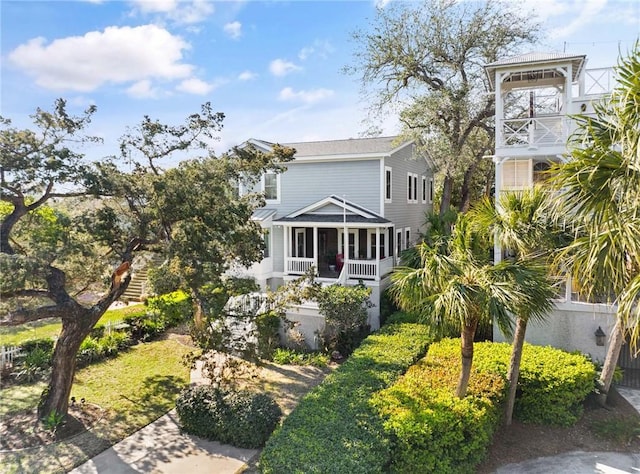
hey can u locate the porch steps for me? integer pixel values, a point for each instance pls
(137, 289)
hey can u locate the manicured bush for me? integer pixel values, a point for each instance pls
(241, 418)
(431, 430)
(334, 428)
(162, 312)
(552, 386)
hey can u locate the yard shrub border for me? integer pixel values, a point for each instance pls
(335, 428)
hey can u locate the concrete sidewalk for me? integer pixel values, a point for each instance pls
(161, 448)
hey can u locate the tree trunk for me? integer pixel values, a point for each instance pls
(465, 191)
(467, 335)
(76, 326)
(7, 224)
(198, 310)
(514, 367)
(610, 362)
(447, 190)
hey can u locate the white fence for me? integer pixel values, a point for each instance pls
(8, 355)
(533, 131)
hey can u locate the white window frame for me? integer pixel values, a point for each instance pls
(263, 185)
(388, 184)
(407, 237)
(399, 242)
(430, 190)
(298, 232)
(412, 188)
(423, 189)
(266, 236)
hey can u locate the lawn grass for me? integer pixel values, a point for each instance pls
(11, 336)
(134, 389)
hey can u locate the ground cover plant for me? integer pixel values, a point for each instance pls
(334, 428)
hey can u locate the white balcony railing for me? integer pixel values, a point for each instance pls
(598, 81)
(356, 269)
(541, 131)
(299, 265)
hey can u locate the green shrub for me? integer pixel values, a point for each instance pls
(90, 351)
(284, 356)
(431, 429)
(114, 342)
(552, 386)
(45, 344)
(241, 418)
(33, 365)
(170, 309)
(402, 317)
(268, 329)
(334, 428)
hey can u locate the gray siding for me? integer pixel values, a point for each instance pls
(402, 213)
(305, 183)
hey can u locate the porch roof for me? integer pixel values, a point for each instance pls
(334, 219)
(260, 215)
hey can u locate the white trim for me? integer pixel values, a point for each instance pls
(431, 190)
(302, 232)
(407, 237)
(278, 187)
(412, 185)
(389, 199)
(361, 211)
(423, 189)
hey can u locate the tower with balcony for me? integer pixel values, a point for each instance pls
(535, 96)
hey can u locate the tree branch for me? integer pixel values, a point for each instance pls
(25, 292)
(23, 315)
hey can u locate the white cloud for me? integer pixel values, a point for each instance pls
(321, 48)
(195, 86)
(180, 11)
(308, 97)
(234, 29)
(281, 67)
(586, 12)
(381, 3)
(143, 90)
(247, 76)
(116, 55)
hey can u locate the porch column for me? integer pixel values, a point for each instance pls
(377, 253)
(315, 248)
(286, 231)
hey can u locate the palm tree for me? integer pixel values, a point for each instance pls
(599, 188)
(457, 286)
(519, 222)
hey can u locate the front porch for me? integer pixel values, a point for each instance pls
(366, 258)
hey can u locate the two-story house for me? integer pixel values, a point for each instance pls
(347, 208)
(535, 94)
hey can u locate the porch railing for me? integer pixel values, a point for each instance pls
(356, 269)
(598, 81)
(539, 131)
(299, 265)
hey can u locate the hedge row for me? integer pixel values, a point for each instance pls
(433, 431)
(335, 428)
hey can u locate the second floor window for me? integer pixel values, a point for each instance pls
(412, 187)
(387, 184)
(271, 186)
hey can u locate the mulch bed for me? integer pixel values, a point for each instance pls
(22, 430)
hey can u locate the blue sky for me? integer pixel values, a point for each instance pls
(272, 67)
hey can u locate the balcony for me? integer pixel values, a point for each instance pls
(533, 132)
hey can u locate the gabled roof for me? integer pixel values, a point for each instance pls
(352, 148)
(537, 60)
(351, 213)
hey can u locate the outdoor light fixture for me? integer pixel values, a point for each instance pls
(600, 336)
